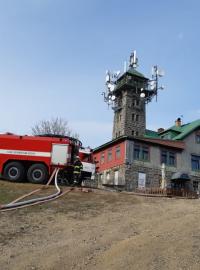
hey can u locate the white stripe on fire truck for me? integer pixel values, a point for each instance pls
(25, 153)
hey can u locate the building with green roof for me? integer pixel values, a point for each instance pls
(137, 157)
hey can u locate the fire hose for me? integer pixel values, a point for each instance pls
(19, 204)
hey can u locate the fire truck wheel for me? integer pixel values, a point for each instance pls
(37, 174)
(14, 171)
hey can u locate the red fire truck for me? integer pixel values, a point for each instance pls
(35, 157)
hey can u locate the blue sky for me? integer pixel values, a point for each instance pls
(54, 54)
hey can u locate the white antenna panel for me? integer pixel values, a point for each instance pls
(134, 57)
(161, 72)
(153, 72)
(107, 76)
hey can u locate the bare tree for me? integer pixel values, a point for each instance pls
(55, 126)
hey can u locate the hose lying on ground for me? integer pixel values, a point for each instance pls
(16, 204)
(36, 190)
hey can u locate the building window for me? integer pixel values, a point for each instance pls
(116, 178)
(195, 160)
(141, 152)
(195, 185)
(168, 158)
(107, 176)
(135, 117)
(117, 152)
(197, 138)
(137, 102)
(102, 158)
(109, 154)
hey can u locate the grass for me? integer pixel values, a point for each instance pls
(10, 191)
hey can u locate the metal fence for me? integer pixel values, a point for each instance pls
(168, 192)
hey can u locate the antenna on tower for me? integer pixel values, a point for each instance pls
(133, 61)
(152, 85)
(111, 79)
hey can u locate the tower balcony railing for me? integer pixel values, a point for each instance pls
(130, 83)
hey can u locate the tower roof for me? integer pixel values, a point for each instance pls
(134, 72)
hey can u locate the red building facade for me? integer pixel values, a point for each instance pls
(121, 162)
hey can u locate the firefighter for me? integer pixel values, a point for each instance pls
(78, 166)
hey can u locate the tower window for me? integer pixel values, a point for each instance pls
(136, 102)
(135, 117)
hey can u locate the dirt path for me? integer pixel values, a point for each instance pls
(102, 230)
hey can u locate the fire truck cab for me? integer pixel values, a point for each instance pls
(86, 158)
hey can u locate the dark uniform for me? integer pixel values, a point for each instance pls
(78, 166)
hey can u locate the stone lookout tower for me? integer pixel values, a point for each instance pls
(129, 107)
(128, 94)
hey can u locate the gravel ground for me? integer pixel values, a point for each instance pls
(99, 230)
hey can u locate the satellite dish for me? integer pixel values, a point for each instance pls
(142, 95)
(113, 98)
(111, 87)
(152, 85)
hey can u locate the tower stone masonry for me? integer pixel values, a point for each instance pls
(129, 108)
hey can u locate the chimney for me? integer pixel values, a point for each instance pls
(178, 122)
(159, 130)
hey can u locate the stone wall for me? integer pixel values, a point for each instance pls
(153, 176)
(130, 117)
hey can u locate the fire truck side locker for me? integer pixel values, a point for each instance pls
(59, 155)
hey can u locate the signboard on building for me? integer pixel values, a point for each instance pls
(141, 180)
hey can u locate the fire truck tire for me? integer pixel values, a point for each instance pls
(14, 171)
(37, 174)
